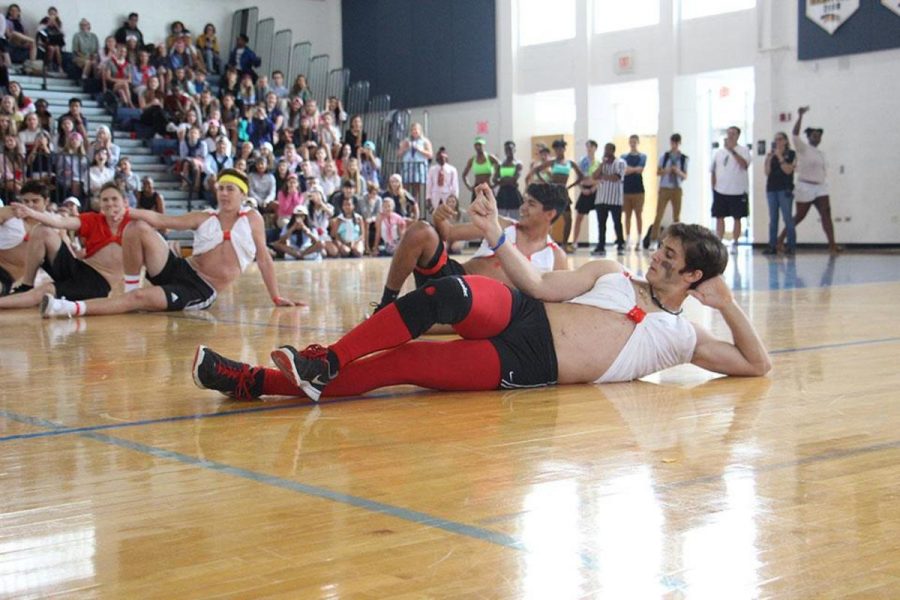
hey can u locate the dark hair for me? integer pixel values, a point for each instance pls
(634, 136)
(593, 143)
(12, 6)
(244, 38)
(508, 143)
(611, 146)
(703, 250)
(442, 149)
(676, 137)
(559, 143)
(36, 187)
(552, 196)
(74, 100)
(738, 129)
(111, 185)
(132, 15)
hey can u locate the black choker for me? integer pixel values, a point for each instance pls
(660, 305)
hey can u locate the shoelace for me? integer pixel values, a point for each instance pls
(315, 352)
(243, 377)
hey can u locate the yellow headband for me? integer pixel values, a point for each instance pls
(242, 185)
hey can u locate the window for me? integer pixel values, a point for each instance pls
(541, 22)
(554, 111)
(616, 15)
(693, 9)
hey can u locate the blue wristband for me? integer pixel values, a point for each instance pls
(500, 241)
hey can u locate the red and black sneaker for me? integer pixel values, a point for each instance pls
(309, 369)
(240, 381)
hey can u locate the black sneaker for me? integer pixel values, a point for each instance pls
(240, 381)
(599, 251)
(308, 369)
(770, 251)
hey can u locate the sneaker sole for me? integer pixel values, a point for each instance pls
(285, 363)
(195, 368)
(45, 305)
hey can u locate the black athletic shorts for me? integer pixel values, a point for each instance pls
(439, 266)
(509, 197)
(184, 288)
(75, 279)
(729, 206)
(525, 348)
(585, 203)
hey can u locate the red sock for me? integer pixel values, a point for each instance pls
(385, 329)
(459, 365)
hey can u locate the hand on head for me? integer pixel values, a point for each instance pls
(714, 293)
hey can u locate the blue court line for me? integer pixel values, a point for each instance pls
(405, 514)
(836, 345)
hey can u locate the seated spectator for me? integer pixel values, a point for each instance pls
(29, 133)
(189, 121)
(348, 229)
(329, 179)
(351, 173)
(297, 238)
(311, 110)
(107, 53)
(85, 49)
(294, 113)
(287, 200)
(39, 162)
(262, 183)
(176, 33)
(98, 174)
(208, 44)
(214, 135)
(15, 32)
(343, 159)
(346, 191)
(66, 127)
(262, 87)
(306, 134)
(12, 167)
(128, 30)
(8, 109)
(104, 141)
(278, 85)
(216, 161)
(389, 228)
(151, 104)
(291, 157)
(266, 152)
(22, 104)
(192, 152)
(355, 136)
(301, 89)
(403, 203)
(140, 73)
(128, 181)
(45, 119)
(370, 164)
(179, 57)
(260, 129)
(370, 207)
(78, 119)
(320, 213)
(246, 95)
(198, 84)
(282, 172)
(230, 117)
(116, 76)
(247, 153)
(329, 134)
(274, 111)
(148, 198)
(243, 58)
(336, 108)
(51, 38)
(230, 84)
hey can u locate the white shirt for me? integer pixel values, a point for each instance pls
(810, 162)
(438, 193)
(731, 178)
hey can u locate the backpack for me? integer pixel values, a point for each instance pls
(682, 161)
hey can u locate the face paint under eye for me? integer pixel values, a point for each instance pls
(667, 267)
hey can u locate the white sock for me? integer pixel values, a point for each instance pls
(132, 282)
(80, 308)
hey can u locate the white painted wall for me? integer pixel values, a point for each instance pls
(315, 21)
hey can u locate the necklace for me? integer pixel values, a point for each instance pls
(660, 304)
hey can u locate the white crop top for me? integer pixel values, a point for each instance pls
(210, 234)
(543, 259)
(659, 340)
(12, 233)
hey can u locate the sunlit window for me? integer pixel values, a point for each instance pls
(554, 111)
(615, 15)
(541, 22)
(693, 9)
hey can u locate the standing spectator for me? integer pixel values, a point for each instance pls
(588, 196)
(484, 165)
(129, 30)
(730, 183)
(811, 188)
(15, 32)
(780, 162)
(672, 171)
(509, 198)
(633, 187)
(85, 49)
(535, 174)
(128, 181)
(609, 198)
(243, 58)
(443, 181)
(560, 170)
(415, 152)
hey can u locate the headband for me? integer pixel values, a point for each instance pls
(240, 183)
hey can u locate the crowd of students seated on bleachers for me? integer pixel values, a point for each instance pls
(314, 173)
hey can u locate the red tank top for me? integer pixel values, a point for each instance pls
(96, 234)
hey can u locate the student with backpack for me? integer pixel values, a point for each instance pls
(672, 171)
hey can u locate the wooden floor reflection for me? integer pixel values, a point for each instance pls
(120, 479)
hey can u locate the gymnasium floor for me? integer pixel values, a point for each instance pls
(120, 479)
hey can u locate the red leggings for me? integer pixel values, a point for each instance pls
(478, 308)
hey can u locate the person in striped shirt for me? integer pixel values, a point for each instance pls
(610, 174)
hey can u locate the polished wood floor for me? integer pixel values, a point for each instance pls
(120, 479)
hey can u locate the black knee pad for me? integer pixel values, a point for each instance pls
(446, 300)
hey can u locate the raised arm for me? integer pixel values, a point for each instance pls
(555, 286)
(55, 221)
(448, 230)
(747, 355)
(185, 222)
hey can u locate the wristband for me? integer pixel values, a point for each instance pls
(500, 241)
